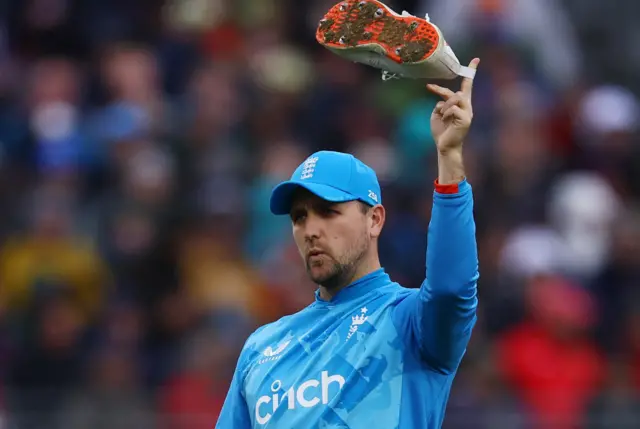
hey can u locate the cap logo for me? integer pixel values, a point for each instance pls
(308, 168)
(373, 196)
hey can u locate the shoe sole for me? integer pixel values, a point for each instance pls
(365, 23)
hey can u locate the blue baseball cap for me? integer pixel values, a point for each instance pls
(333, 176)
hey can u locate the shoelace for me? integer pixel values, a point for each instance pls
(388, 75)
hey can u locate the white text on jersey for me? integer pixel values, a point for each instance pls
(309, 394)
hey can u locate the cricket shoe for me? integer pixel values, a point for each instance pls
(401, 45)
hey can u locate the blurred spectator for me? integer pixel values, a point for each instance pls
(549, 358)
(53, 106)
(584, 227)
(617, 405)
(217, 281)
(48, 366)
(540, 29)
(266, 233)
(482, 398)
(608, 127)
(617, 287)
(132, 77)
(112, 397)
(193, 397)
(49, 260)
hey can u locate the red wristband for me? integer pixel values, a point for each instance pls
(446, 189)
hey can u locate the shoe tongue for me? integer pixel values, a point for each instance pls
(463, 71)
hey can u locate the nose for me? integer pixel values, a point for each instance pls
(313, 227)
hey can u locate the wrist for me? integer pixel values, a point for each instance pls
(449, 151)
(450, 167)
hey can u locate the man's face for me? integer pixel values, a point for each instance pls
(332, 237)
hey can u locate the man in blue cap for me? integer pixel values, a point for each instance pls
(368, 353)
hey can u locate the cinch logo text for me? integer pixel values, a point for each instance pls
(308, 394)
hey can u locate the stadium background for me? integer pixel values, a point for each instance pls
(139, 141)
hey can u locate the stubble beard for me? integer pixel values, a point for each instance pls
(342, 270)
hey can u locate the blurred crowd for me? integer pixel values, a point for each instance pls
(140, 140)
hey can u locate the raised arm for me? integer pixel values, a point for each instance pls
(439, 319)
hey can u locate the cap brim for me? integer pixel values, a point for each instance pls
(282, 195)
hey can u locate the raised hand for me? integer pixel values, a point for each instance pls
(451, 118)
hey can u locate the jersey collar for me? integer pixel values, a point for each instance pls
(357, 289)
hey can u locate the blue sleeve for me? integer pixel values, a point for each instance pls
(438, 320)
(235, 413)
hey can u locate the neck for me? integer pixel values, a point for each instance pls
(366, 267)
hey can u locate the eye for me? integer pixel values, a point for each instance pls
(297, 217)
(330, 211)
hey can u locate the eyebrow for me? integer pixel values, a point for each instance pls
(295, 211)
(314, 205)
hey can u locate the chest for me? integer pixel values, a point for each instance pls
(314, 364)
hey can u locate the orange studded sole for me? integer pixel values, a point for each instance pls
(353, 23)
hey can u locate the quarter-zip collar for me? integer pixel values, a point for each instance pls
(355, 290)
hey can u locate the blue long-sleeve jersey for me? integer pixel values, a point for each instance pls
(377, 355)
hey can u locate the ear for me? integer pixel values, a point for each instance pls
(377, 217)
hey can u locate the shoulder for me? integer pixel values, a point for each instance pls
(279, 332)
(397, 293)
(283, 323)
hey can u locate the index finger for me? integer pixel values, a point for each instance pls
(445, 93)
(467, 83)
